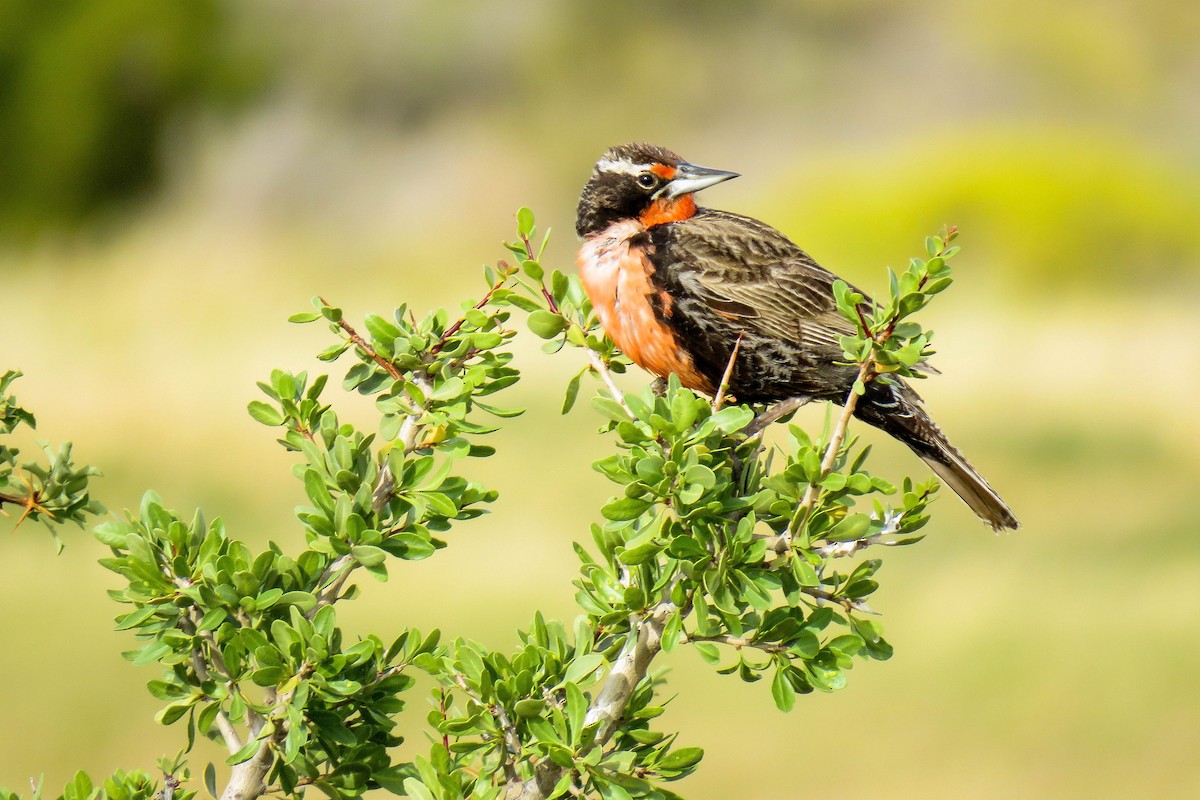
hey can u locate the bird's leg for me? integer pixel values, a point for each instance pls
(659, 387)
(775, 413)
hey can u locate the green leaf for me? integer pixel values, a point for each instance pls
(709, 652)
(625, 508)
(381, 330)
(368, 555)
(265, 413)
(81, 785)
(546, 324)
(572, 392)
(530, 707)
(210, 779)
(781, 690)
(732, 418)
(533, 269)
(246, 753)
(850, 528)
(577, 707)
(304, 316)
(417, 790)
(525, 221)
(682, 758)
(582, 667)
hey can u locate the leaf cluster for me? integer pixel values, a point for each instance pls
(715, 539)
(53, 491)
(886, 338)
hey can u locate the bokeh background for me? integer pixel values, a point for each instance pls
(177, 178)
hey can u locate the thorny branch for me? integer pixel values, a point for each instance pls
(30, 503)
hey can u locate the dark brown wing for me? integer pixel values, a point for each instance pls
(747, 270)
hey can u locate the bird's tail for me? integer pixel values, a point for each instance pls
(896, 409)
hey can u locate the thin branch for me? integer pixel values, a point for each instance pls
(595, 359)
(453, 329)
(407, 437)
(836, 440)
(774, 413)
(719, 400)
(845, 602)
(442, 710)
(344, 565)
(512, 742)
(191, 625)
(842, 549)
(736, 642)
(365, 346)
(601, 369)
(233, 742)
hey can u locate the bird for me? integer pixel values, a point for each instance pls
(680, 288)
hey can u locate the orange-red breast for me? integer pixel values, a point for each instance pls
(675, 286)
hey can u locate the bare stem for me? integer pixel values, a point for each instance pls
(845, 602)
(601, 369)
(774, 413)
(737, 642)
(365, 346)
(838, 437)
(719, 399)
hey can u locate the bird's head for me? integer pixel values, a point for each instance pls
(643, 182)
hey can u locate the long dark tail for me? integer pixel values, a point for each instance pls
(896, 409)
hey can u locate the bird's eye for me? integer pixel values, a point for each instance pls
(647, 180)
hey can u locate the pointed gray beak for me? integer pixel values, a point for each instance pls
(691, 178)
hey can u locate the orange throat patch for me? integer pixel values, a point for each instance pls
(616, 276)
(669, 209)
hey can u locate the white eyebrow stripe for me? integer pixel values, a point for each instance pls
(620, 165)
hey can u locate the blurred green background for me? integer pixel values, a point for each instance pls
(177, 178)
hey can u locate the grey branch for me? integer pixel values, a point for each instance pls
(774, 413)
(191, 624)
(845, 602)
(642, 645)
(605, 374)
(891, 525)
(248, 780)
(737, 642)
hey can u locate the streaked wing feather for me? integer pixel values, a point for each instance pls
(778, 289)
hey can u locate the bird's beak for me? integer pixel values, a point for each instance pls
(691, 178)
